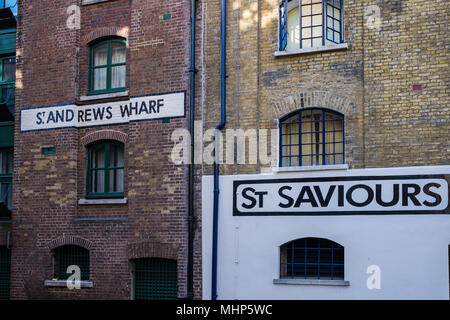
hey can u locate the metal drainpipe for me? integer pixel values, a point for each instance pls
(191, 216)
(216, 147)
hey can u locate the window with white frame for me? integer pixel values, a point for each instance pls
(310, 23)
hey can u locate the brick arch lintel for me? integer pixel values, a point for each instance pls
(102, 32)
(69, 240)
(150, 249)
(104, 135)
(310, 99)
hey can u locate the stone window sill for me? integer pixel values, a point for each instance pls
(312, 282)
(311, 168)
(88, 2)
(102, 201)
(63, 283)
(122, 94)
(340, 46)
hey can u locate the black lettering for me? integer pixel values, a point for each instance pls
(285, 196)
(369, 199)
(428, 192)
(80, 116)
(311, 199)
(261, 195)
(51, 117)
(39, 119)
(87, 115)
(410, 195)
(324, 203)
(143, 107)
(340, 196)
(109, 112)
(248, 197)
(135, 108)
(99, 113)
(72, 115)
(125, 110)
(160, 104)
(152, 104)
(59, 116)
(395, 197)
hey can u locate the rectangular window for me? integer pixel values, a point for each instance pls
(6, 168)
(303, 23)
(7, 91)
(106, 170)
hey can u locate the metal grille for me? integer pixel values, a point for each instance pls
(312, 258)
(69, 255)
(155, 279)
(5, 272)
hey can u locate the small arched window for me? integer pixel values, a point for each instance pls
(107, 66)
(105, 172)
(71, 255)
(312, 137)
(312, 258)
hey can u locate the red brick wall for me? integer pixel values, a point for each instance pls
(52, 69)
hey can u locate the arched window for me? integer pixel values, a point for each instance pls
(312, 258)
(311, 137)
(303, 23)
(155, 279)
(69, 255)
(107, 66)
(105, 173)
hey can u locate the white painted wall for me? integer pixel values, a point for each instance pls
(411, 250)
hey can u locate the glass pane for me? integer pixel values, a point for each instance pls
(306, 33)
(118, 52)
(317, 32)
(293, 39)
(317, 20)
(306, 1)
(336, 36)
(306, 161)
(98, 158)
(317, 42)
(116, 180)
(98, 181)
(306, 22)
(100, 79)
(101, 55)
(118, 77)
(306, 10)
(317, 8)
(6, 161)
(115, 156)
(5, 195)
(306, 43)
(9, 69)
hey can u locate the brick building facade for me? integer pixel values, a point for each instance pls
(342, 87)
(75, 55)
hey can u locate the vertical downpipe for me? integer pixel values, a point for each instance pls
(191, 216)
(216, 147)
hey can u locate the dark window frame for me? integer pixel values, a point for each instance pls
(283, 22)
(109, 65)
(324, 258)
(322, 130)
(106, 169)
(6, 178)
(67, 255)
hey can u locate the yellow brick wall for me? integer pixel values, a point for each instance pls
(387, 123)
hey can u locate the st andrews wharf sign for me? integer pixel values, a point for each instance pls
(414, 194)
(150, 107)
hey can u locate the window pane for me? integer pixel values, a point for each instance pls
(98, 181)
(293, 39)
(5, 196)
(9, 69)
(118, 52)
(98, 158)
(115, 156)
(100, 79)
(306, 43)
(317, 20)
(317, 32)
(306, 22)
(101, 55)
(6, 161)
(317, 9)
(116, 180)
(118, 77)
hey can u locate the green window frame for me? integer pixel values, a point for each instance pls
(6, 168)
(69, 255)
(105, 179)
(7, 88)
(108, 67)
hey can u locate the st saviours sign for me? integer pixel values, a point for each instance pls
(342, 196)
